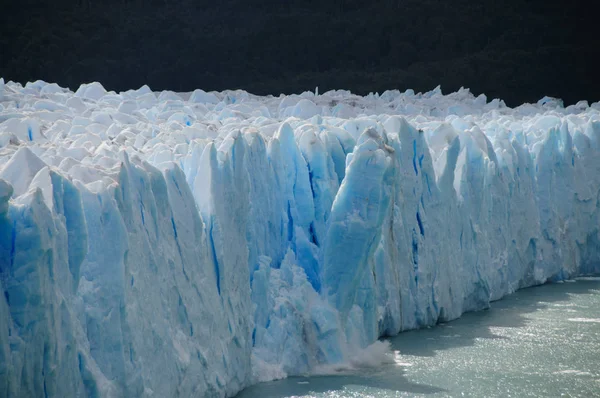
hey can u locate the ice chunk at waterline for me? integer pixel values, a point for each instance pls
(173, 244)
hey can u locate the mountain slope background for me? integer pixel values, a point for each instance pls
(514, 50)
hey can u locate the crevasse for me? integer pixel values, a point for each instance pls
(192, 244)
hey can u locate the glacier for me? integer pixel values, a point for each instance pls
(191, 244)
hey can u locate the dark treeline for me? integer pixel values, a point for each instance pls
(513, 49)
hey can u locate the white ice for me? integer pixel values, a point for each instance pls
(190, 244)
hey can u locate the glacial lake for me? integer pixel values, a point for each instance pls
(542, 341)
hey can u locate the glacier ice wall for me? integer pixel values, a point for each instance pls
(192, 244)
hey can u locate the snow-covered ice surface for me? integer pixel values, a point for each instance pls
(192, 244)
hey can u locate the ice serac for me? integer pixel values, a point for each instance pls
(191, 244)
(355, 229)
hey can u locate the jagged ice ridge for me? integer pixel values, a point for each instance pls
(192, 244)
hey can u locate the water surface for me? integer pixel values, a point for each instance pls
(539, 342)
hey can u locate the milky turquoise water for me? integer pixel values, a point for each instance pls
(539, 342)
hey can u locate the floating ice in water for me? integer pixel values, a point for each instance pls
(194, 243)
(585, 320)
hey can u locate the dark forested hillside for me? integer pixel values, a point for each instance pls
(516, 50)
